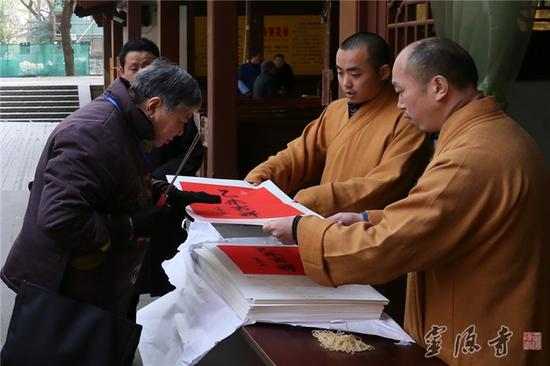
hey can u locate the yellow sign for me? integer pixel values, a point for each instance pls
(299, 38)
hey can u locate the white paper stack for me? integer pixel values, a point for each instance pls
(285, 295)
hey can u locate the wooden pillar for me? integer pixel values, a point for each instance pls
(168, 17)
(376, 18)
(116, 43)
(133, 19)
(222, 89)
(107, 51)
(191, 13)
(327, 73)
(255, 26)
(363, 16)
(353, 17)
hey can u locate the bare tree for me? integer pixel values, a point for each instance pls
(44, 12)
(65, 28)
(10, 25)
(41, 10)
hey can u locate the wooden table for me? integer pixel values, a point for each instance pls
(284, 345)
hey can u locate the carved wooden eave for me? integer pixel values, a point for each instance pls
(101, 10)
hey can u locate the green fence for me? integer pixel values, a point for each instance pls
(42, 59)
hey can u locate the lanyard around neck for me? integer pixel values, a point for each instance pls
(136, 139)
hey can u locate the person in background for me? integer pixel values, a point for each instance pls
(365, 152)
(248, 72)
(472, 234)
(265, 85)
(135, 55)
(284, 76)
(92, 207)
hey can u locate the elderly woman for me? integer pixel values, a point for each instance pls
(92, 205)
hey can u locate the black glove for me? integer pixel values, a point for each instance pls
(152, 220)
(180, 199)
(146, 222)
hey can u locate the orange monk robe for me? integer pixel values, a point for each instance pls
(473, 235)
(366, 161)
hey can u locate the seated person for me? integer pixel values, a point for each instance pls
(265, 85)
(248, 72)
(284, 75)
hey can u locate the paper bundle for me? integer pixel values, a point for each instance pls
(267, 283)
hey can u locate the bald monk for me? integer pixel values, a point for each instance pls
(366, 154)
(473, 233)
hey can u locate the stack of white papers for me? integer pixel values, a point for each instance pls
(267, 283)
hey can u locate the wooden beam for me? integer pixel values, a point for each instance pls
(348, 19)
(133, 19)
(222, 89)
(190, 52)
(107, 51)
(116, 41)
(375, 17)
(255, 11)
(168, 17)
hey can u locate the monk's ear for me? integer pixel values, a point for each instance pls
(439, 87)
(384, 72)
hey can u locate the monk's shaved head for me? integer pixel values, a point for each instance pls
(440, 56)
(378, 50)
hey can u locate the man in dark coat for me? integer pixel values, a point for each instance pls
(248, 72)
(284, 76)
(91, 208)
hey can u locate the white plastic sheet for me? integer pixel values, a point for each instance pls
(183, 325)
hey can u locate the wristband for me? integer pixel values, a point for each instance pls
(295, 222)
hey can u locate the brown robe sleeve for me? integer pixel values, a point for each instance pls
(302, 160)
(412, 233)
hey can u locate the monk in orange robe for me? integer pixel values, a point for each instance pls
(472, 234)
(366, 154)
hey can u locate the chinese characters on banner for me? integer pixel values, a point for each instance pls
(239, 202)
(299, 38)
(265, 260)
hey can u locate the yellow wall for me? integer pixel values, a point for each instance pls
(299, 38)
